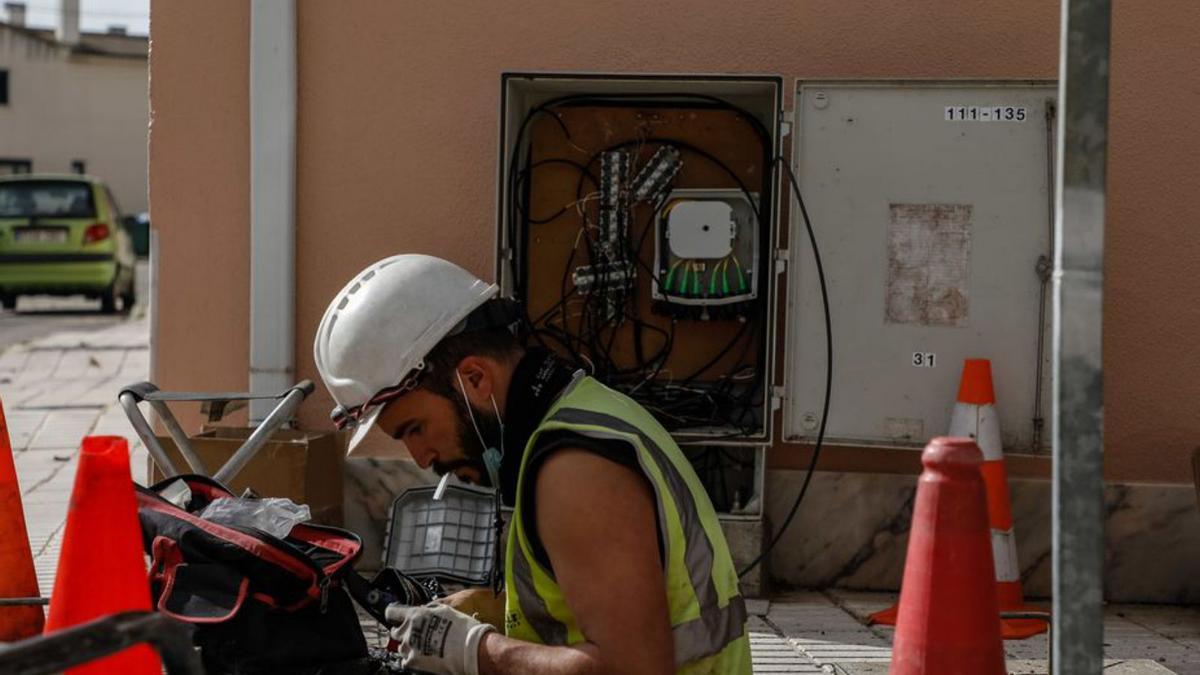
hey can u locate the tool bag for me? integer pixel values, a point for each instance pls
(260, 604)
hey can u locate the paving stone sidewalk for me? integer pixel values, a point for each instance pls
(58, 389)
(829, 627)
(55, 391)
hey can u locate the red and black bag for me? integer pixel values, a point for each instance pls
(260, 604)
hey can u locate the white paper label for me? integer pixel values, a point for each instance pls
(924, 360)
(433, 539)
(928, 264)
(989, 113)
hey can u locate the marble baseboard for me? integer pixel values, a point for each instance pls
(746, 539)
(371, 485)
(852, 532)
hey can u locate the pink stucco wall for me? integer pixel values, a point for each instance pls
(397, 152)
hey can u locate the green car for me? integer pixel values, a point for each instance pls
(64, 235)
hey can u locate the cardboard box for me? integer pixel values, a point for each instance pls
(304, 466)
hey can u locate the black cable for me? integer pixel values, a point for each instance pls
(758, 213)
(720, 355)
(527, 173)
(668, 98)
(816, 453)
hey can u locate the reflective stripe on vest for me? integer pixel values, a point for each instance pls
(549, 629)
(715, 627)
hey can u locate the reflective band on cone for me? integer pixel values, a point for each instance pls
(980, 423)
(1004, 554)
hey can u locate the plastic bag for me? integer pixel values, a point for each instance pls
(274, 515)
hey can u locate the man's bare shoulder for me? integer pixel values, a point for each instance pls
(575, 476)
(596, 518)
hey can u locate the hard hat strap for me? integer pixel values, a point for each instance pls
(345, 417)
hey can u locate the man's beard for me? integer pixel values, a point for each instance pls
(472, 447)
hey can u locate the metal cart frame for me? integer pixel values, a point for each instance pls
(215, 406)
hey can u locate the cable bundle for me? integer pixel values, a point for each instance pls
(598, 295)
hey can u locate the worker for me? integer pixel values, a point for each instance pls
(615, 561)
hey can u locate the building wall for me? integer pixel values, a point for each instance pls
(64, 107)
(200, 193)
(398, 107)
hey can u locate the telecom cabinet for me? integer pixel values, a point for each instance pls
(640, 224)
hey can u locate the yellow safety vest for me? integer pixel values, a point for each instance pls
(708, 614)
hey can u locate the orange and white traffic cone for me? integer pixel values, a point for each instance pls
(975, 417)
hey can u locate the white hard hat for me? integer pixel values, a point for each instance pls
(373, 339)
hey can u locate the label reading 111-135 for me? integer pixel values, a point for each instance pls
(995, 113)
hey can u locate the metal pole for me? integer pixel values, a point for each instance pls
(276, 419)
(129, 403)
(272, 198)
(180, 437)
(1078, 503)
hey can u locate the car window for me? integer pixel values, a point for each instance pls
(46, 199)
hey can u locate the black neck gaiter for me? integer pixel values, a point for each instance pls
(537, 381)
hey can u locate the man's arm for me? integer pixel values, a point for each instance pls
(596, 520)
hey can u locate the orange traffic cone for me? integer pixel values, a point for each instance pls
(975, 417)
(948, 622)
(101, 570)
(17, 576)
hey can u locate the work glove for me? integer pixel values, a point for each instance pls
(436, 638)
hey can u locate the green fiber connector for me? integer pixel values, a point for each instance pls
(696, 282)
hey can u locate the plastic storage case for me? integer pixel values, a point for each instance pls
(451, 539)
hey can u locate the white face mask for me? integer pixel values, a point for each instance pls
(491, 456)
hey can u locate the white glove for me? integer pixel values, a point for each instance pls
(437, 638)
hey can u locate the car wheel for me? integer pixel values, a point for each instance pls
(129, 297)
(9, 302)
(108, 300)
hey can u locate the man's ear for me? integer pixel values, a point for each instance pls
(477, 378)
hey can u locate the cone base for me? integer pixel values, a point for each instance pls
(1010, 629)
(886, 617)
(1019, 629)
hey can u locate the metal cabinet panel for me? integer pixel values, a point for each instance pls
(931, 203)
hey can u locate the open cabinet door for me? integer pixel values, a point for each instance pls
(637, 228)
